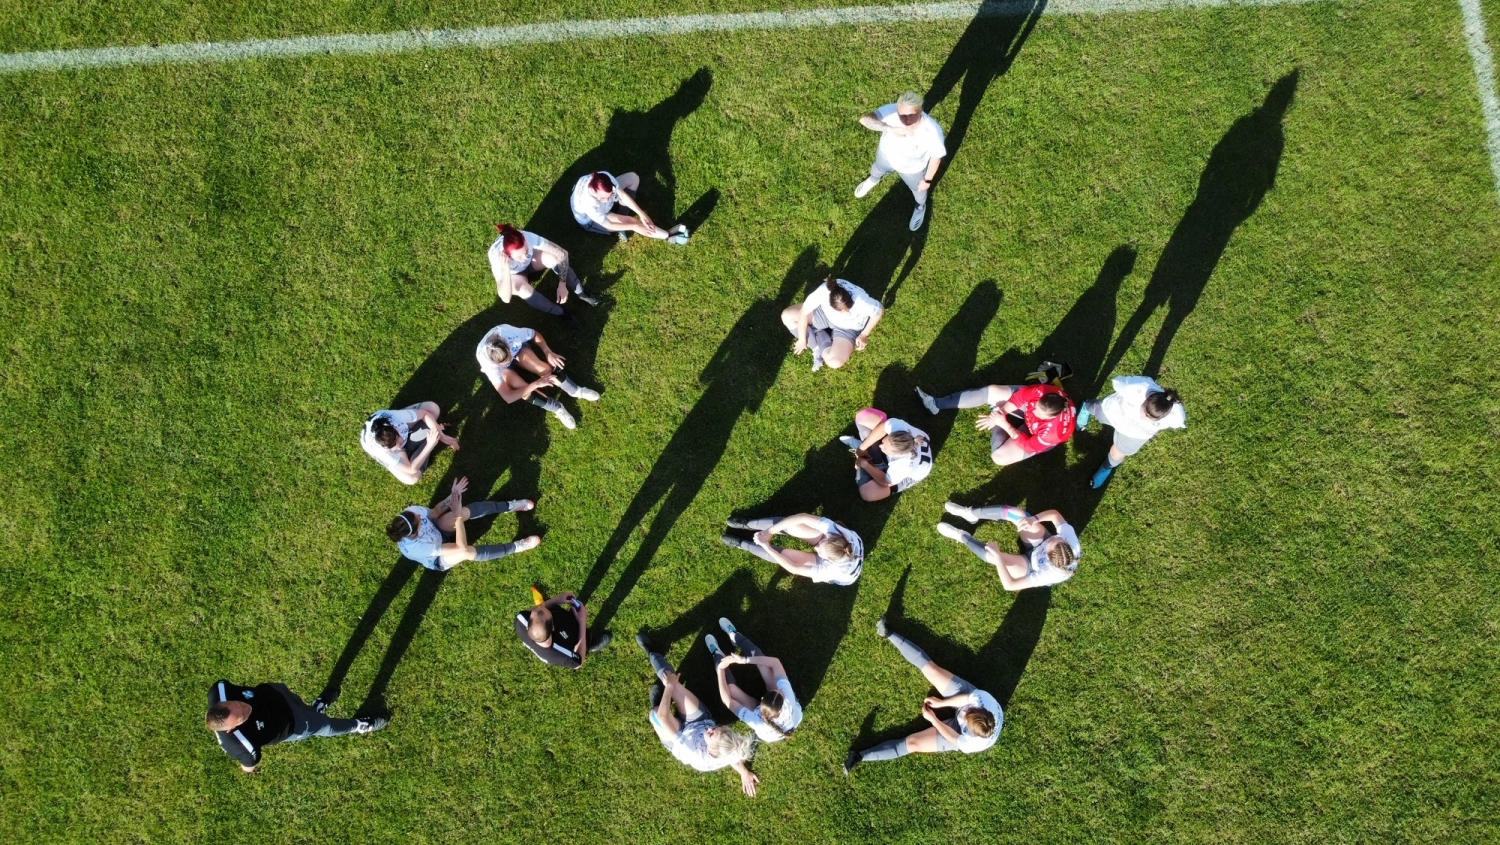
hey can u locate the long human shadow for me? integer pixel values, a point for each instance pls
(638, 141)
(736, 380)
(883, 251)
(985, 51)
(995, 667)
(1241, 170)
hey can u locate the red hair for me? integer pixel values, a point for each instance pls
(511, 238)
(600, 181)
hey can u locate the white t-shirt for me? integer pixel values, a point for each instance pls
(788, 720)
(401, 421)
(968, 742)
(586, 208)
(515, 338)
(906, 471)
(427, 546)
(1043, 573)
(864, 308)
(843, 572)
(690, 746)
(1123, 409)
(500, 260)
(910, 154)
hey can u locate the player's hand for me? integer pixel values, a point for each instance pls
(557, 361)
(249, 770)
(989, 421)
(648, 222)
(670, 678)
(800, 346)
(562, 292)
(1029, 523)
(860, 343)
(763, 538)
(459, 487)
(748, 781)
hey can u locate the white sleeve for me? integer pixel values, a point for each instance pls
(515, 336)
(894, 425)
(885, 113)
(1049, 576)
(1134, 388)
(383, 456)
(408, 416)
(487, 366)
(1070, 535)
(1175, 418)
(817, 299)
(498, 265)
(936, 146)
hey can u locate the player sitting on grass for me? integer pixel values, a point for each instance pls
(603, 204)
(505, 351)
(891, 456)
(519, 258)
(777, 713)
(247, 719)
(437, 538)
(837, 557)
(974, 723)
(1137, 410)
(1050, 558)
(690, 733)
(834, 321)
(556, 631)
(402, 441)
(1024, 420)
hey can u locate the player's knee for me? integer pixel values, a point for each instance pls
(835, 359)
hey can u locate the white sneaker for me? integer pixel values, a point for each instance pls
(817, 363)
(587, 394)
(928, 402)
(966, 514)
(518, 505)
(952, 532)
(851, 442)
(678, 234)
(526, 544)
(565, 418)
(864, 188)
(917, 217)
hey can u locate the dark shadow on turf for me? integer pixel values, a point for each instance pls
(985, 51)
(507, 441)
(1241, 170)
(735, 381)
(883, 251)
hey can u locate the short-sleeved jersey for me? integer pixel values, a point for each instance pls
(910, 153)
(401, 420)
(564, 637)
(840, 572)
(865, 307)
(788, 719)
(513, 337)
(1043, 434)
(587, 209)
(1125, 409)
(690, 745)
(1043, 573)
(904, 472)
(499, 258)
(969, 742)
(426, 547)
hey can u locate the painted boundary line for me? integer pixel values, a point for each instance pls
(1484, 74)
(551, 33)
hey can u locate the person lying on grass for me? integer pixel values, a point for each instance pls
(505, 352)
(837, 557)
(689, 732)
(403, 440)
(437, 538)
(777, 713)
(604, 204)
(973, 723)
(1049, 557)
(834, 321)
(247, 719)
(890, 455)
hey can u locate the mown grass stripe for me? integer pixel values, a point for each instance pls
(557, 31)
(1484, 74)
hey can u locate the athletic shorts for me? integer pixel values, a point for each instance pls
(958, 687)
(590, 226)
(1128, 445)
(819, 320)
(412, 447)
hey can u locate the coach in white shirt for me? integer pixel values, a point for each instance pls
(911, 144)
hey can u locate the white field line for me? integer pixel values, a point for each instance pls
(1484, 73)
(550, 33)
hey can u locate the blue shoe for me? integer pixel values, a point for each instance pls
(1084, 417)
(1101, 476)
(713, 647)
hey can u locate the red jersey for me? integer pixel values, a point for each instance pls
(1045, 433)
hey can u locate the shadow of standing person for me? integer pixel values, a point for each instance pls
(883, 250)
(736, 380)
(1241, 170)
(985, 51)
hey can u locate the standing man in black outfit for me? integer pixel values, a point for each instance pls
(556, 631)
(247, 719)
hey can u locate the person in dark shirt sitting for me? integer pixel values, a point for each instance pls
(247, 719)
(556, 631)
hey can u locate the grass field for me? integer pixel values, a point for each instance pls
(1285, 624)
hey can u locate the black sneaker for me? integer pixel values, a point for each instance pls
(850, 762)
(325, 701)
(731, 542)
(370, 725)
(604, 640)
(736, 522)
(570, 321)
(645, 644)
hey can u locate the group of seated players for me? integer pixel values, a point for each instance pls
(890, 455)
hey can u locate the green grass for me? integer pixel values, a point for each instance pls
(1284, 627)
